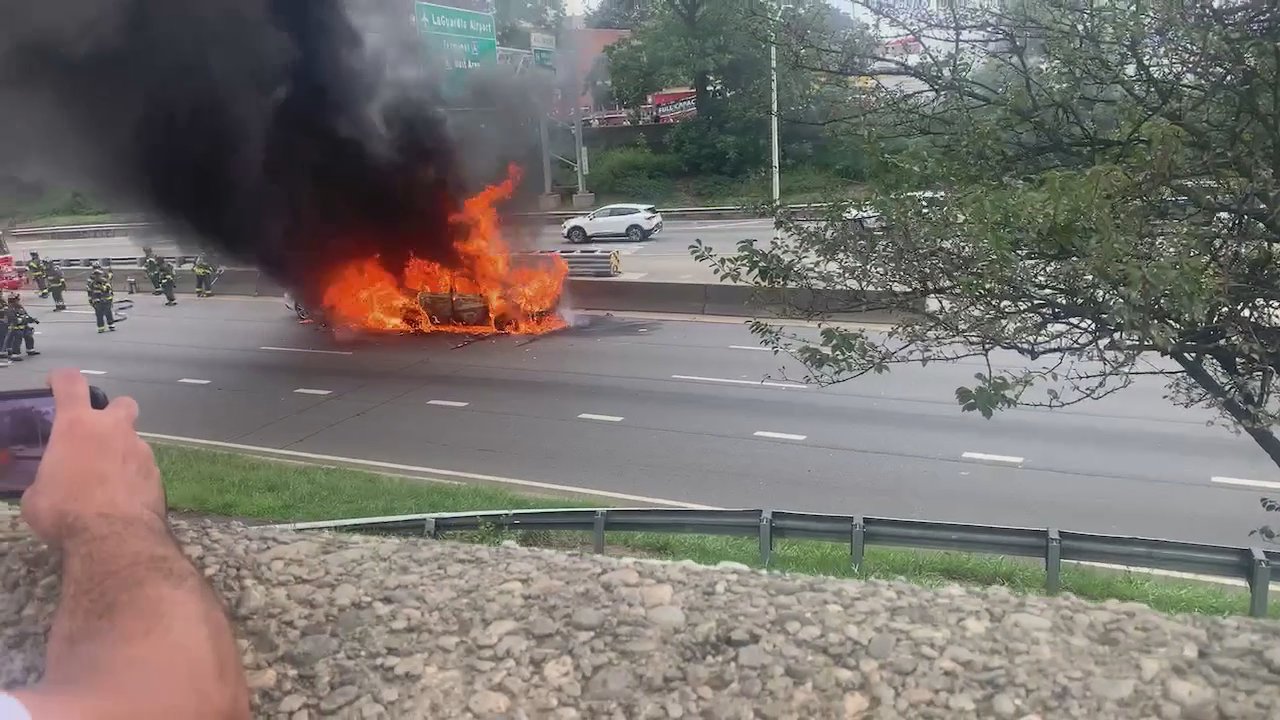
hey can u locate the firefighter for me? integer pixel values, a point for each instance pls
(37, 271)
(57, 285)
(106, 272)
(101, 297)
(20, 329)
(167, 282)
(204, 277)
(151, 266)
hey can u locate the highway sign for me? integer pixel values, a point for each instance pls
(459, 37)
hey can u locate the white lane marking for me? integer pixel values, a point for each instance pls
(312, 391)
(93, 372)
(194, 381)
(447, 403)
(306, 350)
(765, 383)
(78, 312)
(1012, 459)
(428, 471)
(750, 347)
(1269, 485)
(778, 435)
(631, 276)
(605, 418)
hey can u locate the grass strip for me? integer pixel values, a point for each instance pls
(259, 489)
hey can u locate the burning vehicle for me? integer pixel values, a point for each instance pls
(487, 289)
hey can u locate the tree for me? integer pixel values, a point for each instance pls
(619, 14)
(515, 19)
(1105, 205)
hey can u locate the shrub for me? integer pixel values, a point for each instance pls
(633, 171)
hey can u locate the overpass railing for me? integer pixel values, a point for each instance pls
(1052, 545)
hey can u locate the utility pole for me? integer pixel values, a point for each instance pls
(774, 170)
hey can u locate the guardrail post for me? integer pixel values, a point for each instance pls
(1259, 582)
(766, 536)
(857, 542)
(429, 528)
(597, 531)
(1053, 562)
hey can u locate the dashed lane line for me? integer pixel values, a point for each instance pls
(448, 403)
(396, 467)
(306, 350)
(194, 381)
(1244, 482)
(93, 372)
(312, 391)
(778, 435)
(732, 381)
(602, 418)
(988, 457)
(750, 347)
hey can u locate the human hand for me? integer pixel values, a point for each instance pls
(95, 470)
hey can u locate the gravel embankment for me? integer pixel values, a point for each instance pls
(361, 627)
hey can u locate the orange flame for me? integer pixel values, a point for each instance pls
(489, 291)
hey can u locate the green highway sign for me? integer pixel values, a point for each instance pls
(461, 38)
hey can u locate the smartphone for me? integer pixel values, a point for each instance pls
(26, 419)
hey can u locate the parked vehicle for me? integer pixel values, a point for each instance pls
(632, 221)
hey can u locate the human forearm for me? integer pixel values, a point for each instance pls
(138, 632)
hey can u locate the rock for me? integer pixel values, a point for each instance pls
(372, 711)
(881, 646)
(753, 656)
(855, 705)
(345, 595)
(494, 632)
(314, 648)
(1003, 706)
(961, 702)
(1027, 621)
(558, 671)
(667, 616)
(291, 704)
(587, 619)
(731, 566)
(621, 576)
(1112, 688)
(1186, 694)
(611, 683)
(542, 626)
(261, 679)
(655, 595)
(339, 698)
(488, 704)
(1148, 668)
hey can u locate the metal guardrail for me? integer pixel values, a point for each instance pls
(552, 216)
(582, 263)
(1054, 546)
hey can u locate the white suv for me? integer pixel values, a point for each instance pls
(623, 220)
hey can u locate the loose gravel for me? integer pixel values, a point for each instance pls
(372, 627)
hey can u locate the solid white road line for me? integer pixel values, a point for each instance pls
(193, 381)
(428, 471)
(605, 418)
(312, 391)
(765, 383)
(994, 458)
(306, 350)
(750, 347)
(93, 372)
(447, 403)
(778, 435)
(1267, 484)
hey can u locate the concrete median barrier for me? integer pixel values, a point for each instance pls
(583, 294)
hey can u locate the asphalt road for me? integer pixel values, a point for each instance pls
(664, 256)
(664, 409)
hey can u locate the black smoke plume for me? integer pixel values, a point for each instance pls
(269, 129)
